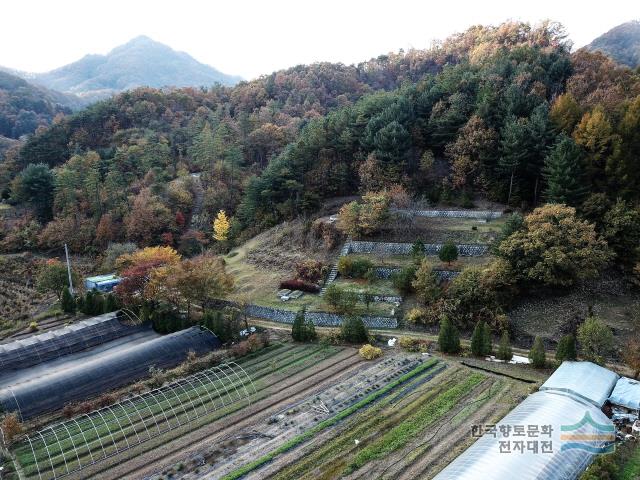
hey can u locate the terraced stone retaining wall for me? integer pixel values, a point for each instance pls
(395, 248)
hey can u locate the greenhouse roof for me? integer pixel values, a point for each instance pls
(585, 380)
(102, 278)
(547, 413)
(626, 393)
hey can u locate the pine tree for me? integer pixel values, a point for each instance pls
(566, 349)
(449, 252)
(477, 339)
(487, 342)
(537, 354)
(67, 302)
(563, 173)
(504, 349)
(448, 337)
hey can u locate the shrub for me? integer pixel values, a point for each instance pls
(252, 344)
(504, 348)
(310, 271)
(296, 284)
(343, 301)
(448, 337)
(425, 283)
(595, 340)
(403, 280)
(354, 330)
(448, 253)
(33, 326)
(415, 316)
(537, 354)
(354, 267)
(110, 303)
(566, 349)
(369, 352)
(413, 344)
(11, 427)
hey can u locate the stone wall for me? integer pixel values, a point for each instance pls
(387, 272)
(321, 319)
(475, 214)
(395, 248)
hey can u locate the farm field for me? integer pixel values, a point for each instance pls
(114, 436)
(403, 416)
(135, 426)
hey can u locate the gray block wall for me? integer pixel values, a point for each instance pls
(474, 214)
(395, 248)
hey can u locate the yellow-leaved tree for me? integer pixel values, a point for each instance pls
(221, 227)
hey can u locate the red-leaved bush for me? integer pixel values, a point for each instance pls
(295, 284)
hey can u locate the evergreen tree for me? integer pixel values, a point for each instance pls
(448, 337)
(477, 339)
(566, 349)
(88, 304)
(487, 342)
(448, 253)
(354, 330)
(537, 354)
(563, 173)
(67, 302)
(298, 327)
(514, 146)
(504, 349)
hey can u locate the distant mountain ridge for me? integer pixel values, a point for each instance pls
(139, 62)
(621, 43)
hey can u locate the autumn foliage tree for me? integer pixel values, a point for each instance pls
(194, 281)
(554, 247)
(366, 217)
(221, 226)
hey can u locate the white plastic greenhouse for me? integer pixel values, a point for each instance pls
(543, 437)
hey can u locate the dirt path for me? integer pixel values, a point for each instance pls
(179, 449)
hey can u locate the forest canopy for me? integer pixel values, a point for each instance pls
(505, 112)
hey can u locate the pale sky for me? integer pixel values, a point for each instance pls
(254, 37)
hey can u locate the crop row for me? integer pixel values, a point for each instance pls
(83, 441)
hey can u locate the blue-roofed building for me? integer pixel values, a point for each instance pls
(102, 283)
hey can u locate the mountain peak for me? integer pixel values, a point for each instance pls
(141, 61)
(621, 43)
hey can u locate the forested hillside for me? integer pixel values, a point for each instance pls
(505, 112)
(621, 43)
(24, 107)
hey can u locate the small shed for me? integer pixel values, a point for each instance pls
(626, 394)
(102, 283)
(585, 380)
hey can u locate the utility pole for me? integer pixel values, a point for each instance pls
(66, 253)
